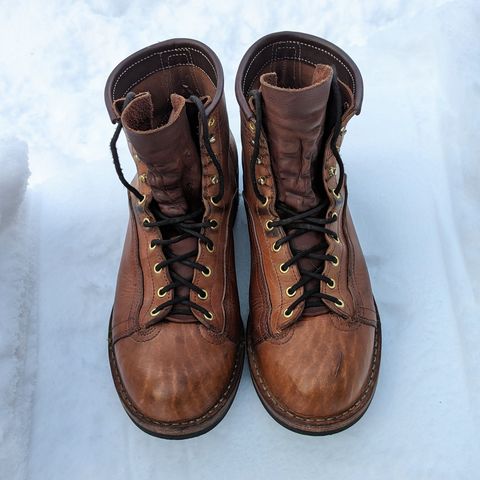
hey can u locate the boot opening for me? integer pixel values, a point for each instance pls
(293, 57)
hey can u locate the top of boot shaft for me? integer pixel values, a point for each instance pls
(159, 57)
(292, 49)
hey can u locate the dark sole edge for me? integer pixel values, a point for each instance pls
(211, 422)
(355, 418)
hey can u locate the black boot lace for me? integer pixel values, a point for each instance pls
(189, 225)
(296, 223)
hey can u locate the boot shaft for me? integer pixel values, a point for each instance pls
(296, 94)
(176, 126)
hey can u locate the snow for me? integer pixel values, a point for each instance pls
(412, 159)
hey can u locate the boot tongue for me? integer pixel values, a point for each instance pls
(174, 173)
(294, 119)
(169, 151)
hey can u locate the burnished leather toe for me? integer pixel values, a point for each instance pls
(320, 370)
(165, 382)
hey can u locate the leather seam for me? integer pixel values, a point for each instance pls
(135, 252)
(265, 293)
(183, 49)
(356, 299)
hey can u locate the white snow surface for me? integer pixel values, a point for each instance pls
(413, 164)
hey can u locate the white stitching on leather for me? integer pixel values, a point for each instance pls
(182, 49)
(304, 60)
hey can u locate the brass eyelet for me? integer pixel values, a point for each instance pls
(268, 225)
(212, 139)
(287, 314)
(142, 201)
(208, 273)
(277, 248)
(214, 179)
(334, 215)
(251, 125)
(136, 157)
(143, 177)
(160, 293)
(336, 262)
(213, 202)
(157, 268)
(338, 196)
(203, 295)
(211, 122)
(213, 224)
(259, 161)
(252, 141)
(331, 283)
(154, 313)
(265, 203)
(146, 222)
(336, 238)
(211, 249)
(284, 269)
(339, 303)
(261, 180)
(289, 293)
(152, 247)
(208, 316)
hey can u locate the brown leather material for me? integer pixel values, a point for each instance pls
(173, 166)
(174, 385)
(294, 119)
(169, 152)
(315, 368)
(324, 366)
(176, 372)
(277, 49)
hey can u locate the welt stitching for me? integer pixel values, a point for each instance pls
(320, 419)
(187, 49)
(127, 400)
(299, 43)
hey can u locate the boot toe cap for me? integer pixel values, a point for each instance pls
(321, 372)
(177, 377)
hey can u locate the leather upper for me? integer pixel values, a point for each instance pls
(175, 367)
(314, 362)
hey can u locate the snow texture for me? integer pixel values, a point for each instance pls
(413, 166)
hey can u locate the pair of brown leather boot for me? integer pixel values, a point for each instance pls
(176, 341)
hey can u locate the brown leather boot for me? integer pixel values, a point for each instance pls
(176, 337)
(314, 331)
